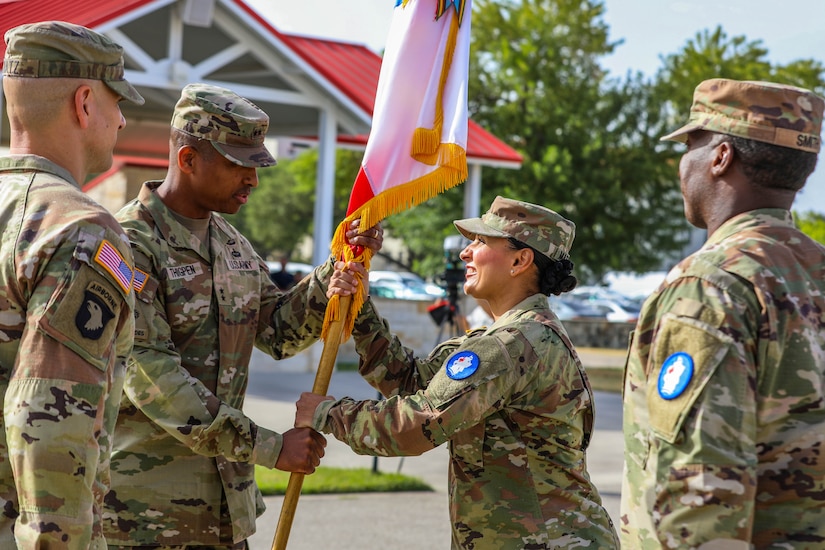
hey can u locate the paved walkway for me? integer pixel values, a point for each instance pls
(391, 520)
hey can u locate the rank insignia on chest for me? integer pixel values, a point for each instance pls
(462, 365)
(676, 374)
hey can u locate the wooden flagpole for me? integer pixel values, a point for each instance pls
(320, 387)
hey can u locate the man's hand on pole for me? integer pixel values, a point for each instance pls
(372, 238)
(301, 451)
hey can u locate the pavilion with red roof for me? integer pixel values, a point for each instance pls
(308, 86)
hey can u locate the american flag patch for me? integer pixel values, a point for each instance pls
(108, 256)
(139, 280)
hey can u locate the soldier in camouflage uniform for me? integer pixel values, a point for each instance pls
(512, 399)
(65, 286)
(184, 452)
(724, 402)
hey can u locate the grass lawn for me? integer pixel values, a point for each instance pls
(327, 480)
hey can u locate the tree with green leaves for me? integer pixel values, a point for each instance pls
(812, 224)
(590, 142)
(712, 54)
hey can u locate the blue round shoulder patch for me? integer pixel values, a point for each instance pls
(462, 364)
(676, 374)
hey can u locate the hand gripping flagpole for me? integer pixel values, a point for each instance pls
(340, 315)
(432, 121)
(320, 387)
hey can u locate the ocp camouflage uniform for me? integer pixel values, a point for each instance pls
(200, 309)
(724, 415)
(738, 454)
(65, 331)
(517, 427)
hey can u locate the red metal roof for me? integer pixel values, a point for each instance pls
(89, 13)
(352, 68)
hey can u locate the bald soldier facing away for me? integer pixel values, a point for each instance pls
(724, 401)
(65, 286)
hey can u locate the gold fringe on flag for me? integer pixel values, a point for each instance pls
(451, 172)
(426, 148)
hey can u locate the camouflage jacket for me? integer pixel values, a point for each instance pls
(725, 442)
(65, 332)
(200, 308)
(516, 407)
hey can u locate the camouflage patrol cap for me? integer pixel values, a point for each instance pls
(534, 225)
(235, 126)
(761, 111)
(56, 49)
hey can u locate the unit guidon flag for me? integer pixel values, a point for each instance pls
(418, 140)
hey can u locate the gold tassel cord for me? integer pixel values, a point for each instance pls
(394, 200)
(426, 141)
(426, 148)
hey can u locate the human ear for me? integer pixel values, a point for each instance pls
(186, 159)
(522, 260)
(723, 158)
(83, 106)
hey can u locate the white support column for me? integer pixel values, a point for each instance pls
(472, 192)
(324, 187)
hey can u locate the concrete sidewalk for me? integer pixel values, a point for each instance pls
(390, 520)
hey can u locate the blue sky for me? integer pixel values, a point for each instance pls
(788, 29)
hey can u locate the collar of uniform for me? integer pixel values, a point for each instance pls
(174, 232)
(535, 302)
(774, 217)
(35, 163)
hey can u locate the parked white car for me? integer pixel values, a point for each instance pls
(615, 311)
(614, 305)
(403, 285)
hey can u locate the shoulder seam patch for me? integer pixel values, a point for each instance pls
(111, 260)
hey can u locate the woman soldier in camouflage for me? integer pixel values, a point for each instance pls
(512, 399)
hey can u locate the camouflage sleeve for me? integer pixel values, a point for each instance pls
(291, 321)
(455, 400)
(693, 413)
(175, 401)
(63, 393)
(385, 363)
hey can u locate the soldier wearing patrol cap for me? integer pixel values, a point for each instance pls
(512, 399)
(65, 285)
(724, 401)
(184, 451)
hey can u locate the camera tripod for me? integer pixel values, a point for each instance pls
(447, 314)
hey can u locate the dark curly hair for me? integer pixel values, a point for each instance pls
(555, 276)
(773, 166)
